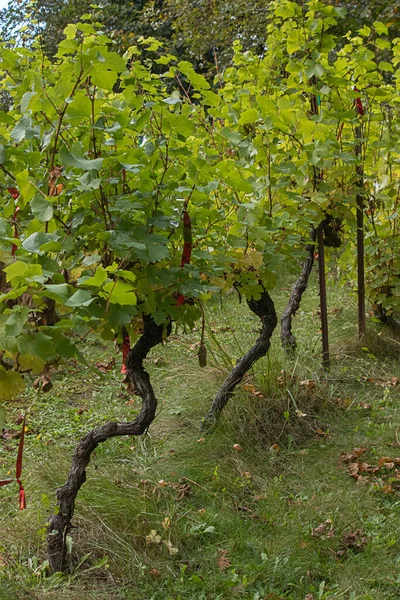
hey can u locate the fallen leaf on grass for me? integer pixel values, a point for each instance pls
(153, 537)
(183, 490)
(364, 467)
(392, 382)
(388, 462)
(307, 383)
(10, 435)
(155, 573)
(324, 530)
(387, 489)
(283, 378)
(321, 432)
(221, 329)
(249, 387)
(361, 471)
(171, 549)
(275, 448)
(245, 509)
(223, 560)
(352, 540)
(105, 367)
(352, 456)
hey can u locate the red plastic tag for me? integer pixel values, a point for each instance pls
(126, 347)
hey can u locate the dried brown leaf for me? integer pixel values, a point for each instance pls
(307, 383)
(183, 490)
(353, 469)
(352, 456)
(354, 540)
(365, 406)
(223, 561)
(325, 529)
(155, 573)
(105, 367)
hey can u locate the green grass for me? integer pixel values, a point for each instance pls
(171, 515)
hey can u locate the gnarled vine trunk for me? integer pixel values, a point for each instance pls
(298, 289)
(60, 523)
(264, 309)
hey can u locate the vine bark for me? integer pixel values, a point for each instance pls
(298, 289)
(60, 522)
(264, 309)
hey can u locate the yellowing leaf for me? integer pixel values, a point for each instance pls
(29, 362)
(11, 384)
(249, 116)
(26, 188)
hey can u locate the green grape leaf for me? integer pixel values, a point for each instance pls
(119, 292)
(80, 298)
(69, 159)
(36, 241)
(37, 344)
(97, 280)
(16, 321)
(42, 209)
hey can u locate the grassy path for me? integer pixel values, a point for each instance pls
(263, 507)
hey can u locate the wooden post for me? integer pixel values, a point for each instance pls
(323, 305)
(360, 230)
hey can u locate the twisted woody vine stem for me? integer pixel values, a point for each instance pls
(298, 289)
(265, 310)
(60, 522)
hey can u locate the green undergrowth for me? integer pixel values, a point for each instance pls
(261, 507)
